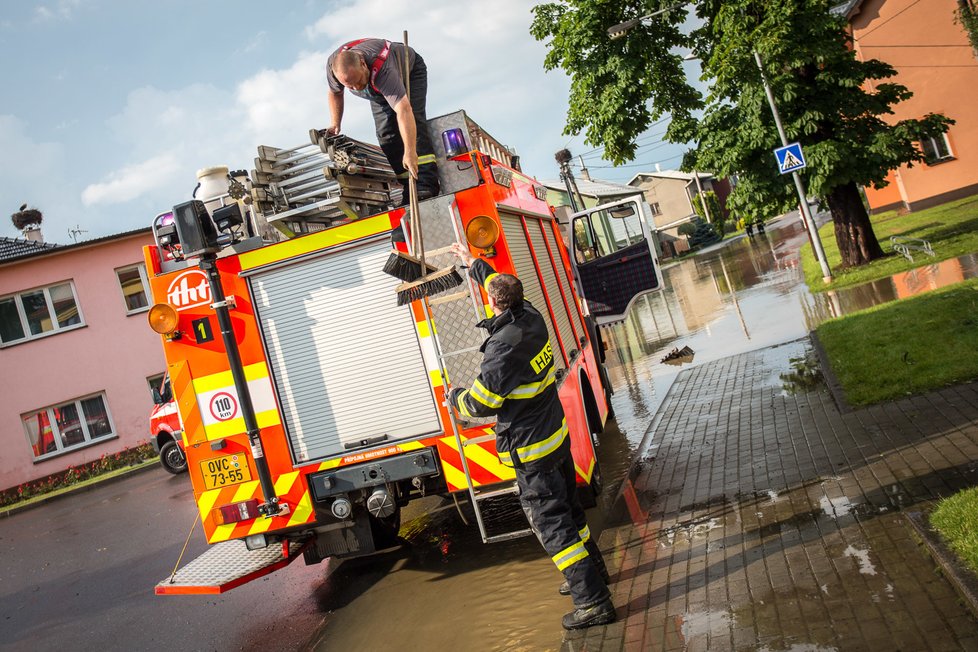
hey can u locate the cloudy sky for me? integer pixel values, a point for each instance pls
(111, 106)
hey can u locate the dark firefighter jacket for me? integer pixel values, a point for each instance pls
(516, 383)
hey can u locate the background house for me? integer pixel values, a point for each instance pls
(934, 59)
(76, 352)
(673, 197)
(593, 192)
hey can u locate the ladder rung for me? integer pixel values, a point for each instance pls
(482, 495)
(509, 535)
(478, 440)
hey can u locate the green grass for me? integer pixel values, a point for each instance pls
(955, 519)
(905, 347)
(951, 228)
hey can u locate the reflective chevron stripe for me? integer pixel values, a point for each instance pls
(569, 555)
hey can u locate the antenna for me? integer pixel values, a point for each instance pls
(73, 233)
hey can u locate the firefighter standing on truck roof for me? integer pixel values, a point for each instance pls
(516, 383)
(372, 68)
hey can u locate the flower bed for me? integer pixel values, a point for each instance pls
(74, 475)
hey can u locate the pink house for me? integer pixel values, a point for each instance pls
(76, 355)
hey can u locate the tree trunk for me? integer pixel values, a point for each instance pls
(853, 230)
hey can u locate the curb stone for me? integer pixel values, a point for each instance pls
(43, 501)
(831, 380)
(963, 580)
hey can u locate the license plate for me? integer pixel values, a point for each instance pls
(224, 471)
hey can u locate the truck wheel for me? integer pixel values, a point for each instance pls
(172, 458)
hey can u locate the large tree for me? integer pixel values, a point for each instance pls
(828, 100)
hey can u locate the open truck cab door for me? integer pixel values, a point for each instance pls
(615, 256)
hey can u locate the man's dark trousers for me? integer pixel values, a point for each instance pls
(389, 136)
(548, 494)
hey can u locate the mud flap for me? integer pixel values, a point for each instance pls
(230, 564)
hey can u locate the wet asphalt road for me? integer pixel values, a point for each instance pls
(78, 574)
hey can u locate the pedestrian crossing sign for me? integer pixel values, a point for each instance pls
(790, 158)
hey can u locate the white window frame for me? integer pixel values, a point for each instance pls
(654, 207)
(56, 327)
(144, 279)
(934, 144)
(60, 448)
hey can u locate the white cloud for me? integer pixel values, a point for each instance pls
(62, 10)
(133, 181)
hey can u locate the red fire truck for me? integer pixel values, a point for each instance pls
(312, 403)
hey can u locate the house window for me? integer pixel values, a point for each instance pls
(39, 312)
(155, 382)
(134, 286)
(656, 211)
(62, 428)
(936, 150)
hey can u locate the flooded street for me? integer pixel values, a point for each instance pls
(446, 589)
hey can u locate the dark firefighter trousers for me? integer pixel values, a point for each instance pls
(549, 498)
(389, 136)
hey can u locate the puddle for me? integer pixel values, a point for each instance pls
(862, 560)
(835, 303)
(746, 295)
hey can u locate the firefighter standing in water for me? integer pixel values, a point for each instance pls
(516, 383)
(373, 69)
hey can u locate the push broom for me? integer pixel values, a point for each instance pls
(427, 282)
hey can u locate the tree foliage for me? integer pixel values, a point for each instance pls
(712, 202)
(829, 101)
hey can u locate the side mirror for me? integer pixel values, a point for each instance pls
(623, 211)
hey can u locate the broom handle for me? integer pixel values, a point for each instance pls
(412, 183)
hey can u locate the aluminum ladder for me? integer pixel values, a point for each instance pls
(465, 301)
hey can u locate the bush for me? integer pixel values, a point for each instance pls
(699, 232)
(74, 475)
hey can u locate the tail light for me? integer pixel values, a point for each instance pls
(237, 512)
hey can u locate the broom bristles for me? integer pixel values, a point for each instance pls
(405, 267)
(443, 279)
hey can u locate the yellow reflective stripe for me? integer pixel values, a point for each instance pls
(224, 379)
(245, 491)
(237, 425)
(489, 278)
(569, 555)
(460, 404)
(426, 158)
(302, 511)
(505, 458)
(533, 389)
(222, 533)
(285, 482)
(545, 447)
(482, 394)
(585, 534)
(488, 462)
(403, 175)
(315, 241)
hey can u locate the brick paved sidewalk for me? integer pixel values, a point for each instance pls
(760, 520)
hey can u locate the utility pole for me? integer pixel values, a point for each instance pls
(563, 158)
(799, 186)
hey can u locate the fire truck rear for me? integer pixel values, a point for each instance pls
(313, 405)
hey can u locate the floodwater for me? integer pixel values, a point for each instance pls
(741, 296)
(445, 589)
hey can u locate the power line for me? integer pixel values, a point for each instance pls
(657, 122)
(888, 19)
(936, 45)
(650, 145)
(634, 165)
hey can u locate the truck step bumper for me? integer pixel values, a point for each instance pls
(229, 564)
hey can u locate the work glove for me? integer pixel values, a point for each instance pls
(453, 397)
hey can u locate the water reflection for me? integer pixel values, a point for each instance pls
(741, 296)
